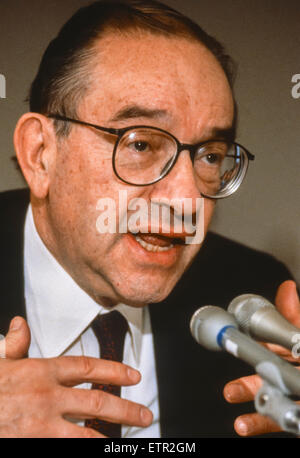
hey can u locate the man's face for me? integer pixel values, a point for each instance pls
(139, 79)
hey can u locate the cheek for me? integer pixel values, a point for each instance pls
(82, 177)
(69, 201)
(82, 174)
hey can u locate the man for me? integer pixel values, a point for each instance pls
(123, 80)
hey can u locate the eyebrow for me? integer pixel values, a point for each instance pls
(135, 111)
(227, 133)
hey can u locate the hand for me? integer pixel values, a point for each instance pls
(36, 395)
(244, 389)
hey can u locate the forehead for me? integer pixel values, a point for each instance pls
(172, 74)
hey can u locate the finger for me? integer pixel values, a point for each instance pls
(278, 349)
(83, 433)
(17, 340)
(73, 370)
(85, 404)
(66, 429)
(243, 389)
(255, 424)
(287, 302)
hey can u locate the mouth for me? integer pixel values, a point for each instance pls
(163, 250)
(157, 243)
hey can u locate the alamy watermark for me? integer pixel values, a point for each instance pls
(296, 87)
(296, 347)
(2, 87)
(173, 217)
(2, 347)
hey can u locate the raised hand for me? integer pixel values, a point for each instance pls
(244, 389)
(38, 395)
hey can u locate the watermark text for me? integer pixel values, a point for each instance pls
(2, 347)
(178, 217)
(2, 87)
(296, 87)
(296, 347)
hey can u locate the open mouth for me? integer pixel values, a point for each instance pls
(157, 243)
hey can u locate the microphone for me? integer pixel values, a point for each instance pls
(216, 329)
(258, 318)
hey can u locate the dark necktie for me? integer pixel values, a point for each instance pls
(110, 330)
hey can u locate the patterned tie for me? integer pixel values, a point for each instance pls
(110, 330)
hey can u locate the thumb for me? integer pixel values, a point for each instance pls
(17, 340)
(287, 302)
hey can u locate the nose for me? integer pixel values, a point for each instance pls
(180, 184)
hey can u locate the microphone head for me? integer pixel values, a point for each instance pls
(243, 308)
(207, 322)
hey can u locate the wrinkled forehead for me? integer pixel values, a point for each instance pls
(172, 74)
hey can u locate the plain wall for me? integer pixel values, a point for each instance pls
(263, 38)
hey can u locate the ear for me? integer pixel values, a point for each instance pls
(36, 148)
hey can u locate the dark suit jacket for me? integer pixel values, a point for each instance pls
(190, 378)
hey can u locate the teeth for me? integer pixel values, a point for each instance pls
(150, 247)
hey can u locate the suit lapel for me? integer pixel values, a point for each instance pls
(173, 347)
(13, 211)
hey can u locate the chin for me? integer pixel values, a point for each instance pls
(139, 295)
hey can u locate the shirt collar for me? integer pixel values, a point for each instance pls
(58, 310)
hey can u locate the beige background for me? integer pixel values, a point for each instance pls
(263, 37)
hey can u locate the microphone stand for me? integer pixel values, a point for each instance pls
(272, 399)
(216, 330)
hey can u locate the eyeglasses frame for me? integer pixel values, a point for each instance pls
(180, 147)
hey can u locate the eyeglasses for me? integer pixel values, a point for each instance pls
(144, 155)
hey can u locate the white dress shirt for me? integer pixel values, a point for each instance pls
(59, 315)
